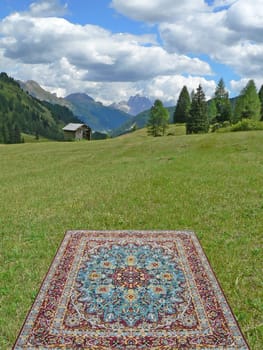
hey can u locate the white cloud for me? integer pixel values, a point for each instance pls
(238, 85)
(62, 78)
(246, 17)
(47, 8)
(157, 11)
(166, 88)
(67, 57)
(102, 55)
(201, 34)
(229, 31)
(169, 88)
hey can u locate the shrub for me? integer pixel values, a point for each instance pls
(247, 124)
(215, 127)
(226, 124)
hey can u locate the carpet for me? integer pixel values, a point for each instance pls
(130, 290)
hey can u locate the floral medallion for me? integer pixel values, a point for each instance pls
(130, 284)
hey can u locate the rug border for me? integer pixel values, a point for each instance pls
(71, 231)
(40, 288)
(221, 289)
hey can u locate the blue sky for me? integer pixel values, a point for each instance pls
(113, 49)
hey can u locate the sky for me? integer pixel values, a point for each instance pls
(114, 49)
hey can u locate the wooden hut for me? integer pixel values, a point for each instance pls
(74, 131)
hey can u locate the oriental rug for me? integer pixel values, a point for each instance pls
(131, 290)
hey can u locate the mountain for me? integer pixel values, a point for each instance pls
(35, 90)
(20, 112)
(95, 114)
(139, 104)
(135, 105)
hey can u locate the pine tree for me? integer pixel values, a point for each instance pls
(260, 95)
(17, 134)
(182, 108)
(212, 111)
(248, 104)
(158, 120)
(198, 118)
(5, 133)
(223, 106)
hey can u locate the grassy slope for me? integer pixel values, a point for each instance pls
(212, 184)
(32, 139)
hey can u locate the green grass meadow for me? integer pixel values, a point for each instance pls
(211, 184)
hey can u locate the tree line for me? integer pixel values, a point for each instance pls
(201, 116)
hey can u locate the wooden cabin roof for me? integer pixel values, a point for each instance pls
(73, 126)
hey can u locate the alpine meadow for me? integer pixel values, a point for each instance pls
(131, 174)
(209, 183)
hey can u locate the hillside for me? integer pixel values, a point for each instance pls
(210, 183)
(95, 114)
(20, 112)
(139, 121)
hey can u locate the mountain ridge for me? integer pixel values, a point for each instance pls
(34, 89)
(99, 117)
(95, 114)
(135, 105)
